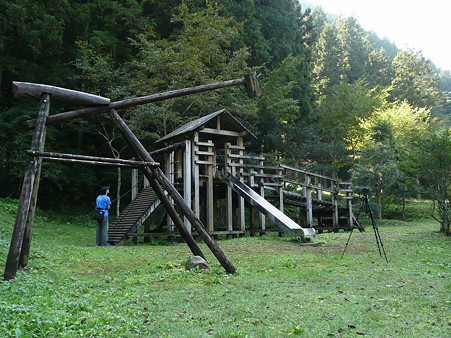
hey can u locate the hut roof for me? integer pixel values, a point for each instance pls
(228, 122)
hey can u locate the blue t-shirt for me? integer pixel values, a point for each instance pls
(102, 202)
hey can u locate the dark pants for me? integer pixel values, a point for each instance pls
(102, 232)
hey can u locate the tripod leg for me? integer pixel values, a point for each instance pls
(380, 246)
(349, 238)
(350, 234)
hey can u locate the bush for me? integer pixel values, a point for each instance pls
(413, 210)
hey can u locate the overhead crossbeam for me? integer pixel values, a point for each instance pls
(250, 80)
(92, 160)
(27, 90)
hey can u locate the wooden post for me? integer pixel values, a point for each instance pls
(134, 183)
(196, 175)
(335, 219)
(241, 209)
(147, 230)
(319, 193)
(209, 189)
(261, 216)
(157, 177)
(187, 163)
(348, 189)
(170, 174)
(280, 189)
(229, 202)
(21, 238)
(308, 201)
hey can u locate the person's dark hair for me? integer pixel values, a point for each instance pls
(104, 189)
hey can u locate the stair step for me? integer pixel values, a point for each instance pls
(131, 215)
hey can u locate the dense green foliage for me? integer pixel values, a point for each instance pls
(72, 288)
(329, 88)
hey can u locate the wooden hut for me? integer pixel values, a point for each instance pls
(192, 168)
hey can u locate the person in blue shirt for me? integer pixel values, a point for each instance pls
(103, 203)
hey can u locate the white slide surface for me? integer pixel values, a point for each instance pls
(283, 221)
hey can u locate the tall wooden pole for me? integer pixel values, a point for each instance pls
(21, 238)
(155, 174)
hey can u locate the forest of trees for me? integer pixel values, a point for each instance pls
(336, 98)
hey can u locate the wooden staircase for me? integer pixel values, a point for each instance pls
(133, 216)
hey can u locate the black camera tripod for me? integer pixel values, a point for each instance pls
(365, 206)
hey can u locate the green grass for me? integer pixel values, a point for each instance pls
(72, 288)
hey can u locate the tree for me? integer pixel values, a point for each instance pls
(327, 69)
(112, 136)
(352, 51)
(198, 54)
(343, 112)
(271, 30)
(414, 80)
(384, 162)
(377, 69)
(277, 109)
(432, 155)
(377, 168)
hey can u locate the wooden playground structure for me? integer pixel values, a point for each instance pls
(207, 188)
(201, 160)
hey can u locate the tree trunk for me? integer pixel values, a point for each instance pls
(379, 202)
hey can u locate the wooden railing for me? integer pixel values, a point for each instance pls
(315, 188)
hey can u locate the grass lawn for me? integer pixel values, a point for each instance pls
(72, 288)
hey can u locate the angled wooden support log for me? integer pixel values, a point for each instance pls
(156, 175)
(27, 90)
(21, 238)
(250, 80)
(195, 249)
(94, 160)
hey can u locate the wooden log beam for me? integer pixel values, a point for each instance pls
(195, 249)
(307, 172)
(168, 149)
(21, 237)
(75, 114)
(97, 163)
(73, 158)
(252, 86)
(27, 90)
(156, 175)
